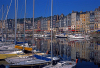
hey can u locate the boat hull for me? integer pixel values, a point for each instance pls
(60, 37)
(25, 48)
(76, 37)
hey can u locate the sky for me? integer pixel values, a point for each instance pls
(43, 7)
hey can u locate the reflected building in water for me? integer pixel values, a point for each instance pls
(88, 50)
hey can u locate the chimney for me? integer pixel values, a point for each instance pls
(80, 11)
(72, 11)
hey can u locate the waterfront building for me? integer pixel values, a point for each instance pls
(61, 20)
(73, 20)
(28, 21)
(92, 19)
(78, 24)
(69, 23)
(42, 25)
(28, 25)
(45, 28)
(85, 21)
(54, 21)
(97, 18)
(39, 25)
(82, 20)
(69, 20)
(57, 22)
(10, 26)
(35, 27)
(61, 23)
(0, 26)
(20, 27)
(48, 25)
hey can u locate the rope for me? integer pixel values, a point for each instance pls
(0, 9)
(3, 13)
(8, 10)
(4, 10)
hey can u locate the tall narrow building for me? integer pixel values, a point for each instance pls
(73, 20)
(97, 18)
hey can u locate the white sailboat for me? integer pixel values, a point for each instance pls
(25, 46)
(8, 50)
(48, 57)
(61, 64)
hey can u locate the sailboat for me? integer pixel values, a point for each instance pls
(8, 50)
(61, 64)
(24, 45)
(26, 60)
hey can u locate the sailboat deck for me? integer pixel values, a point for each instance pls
(65, 64)
(25, 60)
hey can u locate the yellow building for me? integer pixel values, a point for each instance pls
(85, 21)
(82, 21)
(48, 25)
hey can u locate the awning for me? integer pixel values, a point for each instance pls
(98, 30)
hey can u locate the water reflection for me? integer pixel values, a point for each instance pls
(71, 49)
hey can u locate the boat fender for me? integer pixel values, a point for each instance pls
(76, 60)
(47, 52)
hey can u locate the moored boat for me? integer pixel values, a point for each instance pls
(76, 36)
(61, 36)
(62, 64)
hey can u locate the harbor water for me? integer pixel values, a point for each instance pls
(86, 51)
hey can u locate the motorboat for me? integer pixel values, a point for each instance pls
(61, 36)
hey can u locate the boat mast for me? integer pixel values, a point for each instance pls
(24, 23)
(75, 26)
(33, 24)
(67, 24)
(15, 22)
(2, 21)
(51, 28)
(6, 23)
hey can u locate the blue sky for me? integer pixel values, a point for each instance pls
(43, 7)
